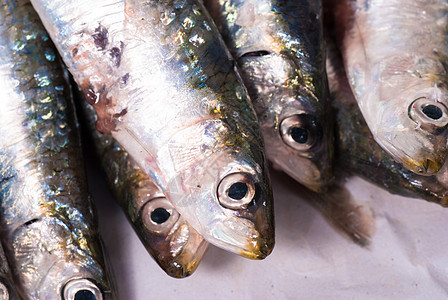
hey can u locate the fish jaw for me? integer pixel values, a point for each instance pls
(277, 103)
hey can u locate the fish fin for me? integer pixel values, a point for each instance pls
(357, 221)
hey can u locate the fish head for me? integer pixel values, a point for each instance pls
(173, 243)
(294, 120)
(411, 124)
(55, 261)
(227, 197)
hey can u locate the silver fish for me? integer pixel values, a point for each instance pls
(170, 240)
(47, 221)
(396, 54)
(165, 87)
(280, 51)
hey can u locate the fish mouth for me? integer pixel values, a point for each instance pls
(425, 166)
(184, 264)
(415, 150)
(258, 249)
(254, 240)
(424, 161)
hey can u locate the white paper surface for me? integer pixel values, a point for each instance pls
(408, 258)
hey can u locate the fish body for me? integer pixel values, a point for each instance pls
(165, 87)
(357, 151)
(170, 240)
(47, 221)
(280, 51)
(395, 55)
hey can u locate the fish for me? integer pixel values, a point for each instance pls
(48, 224)
(280, 52)
(395, 56)
(7, 287)
(165, 87)
(358, 153)
(171, 241)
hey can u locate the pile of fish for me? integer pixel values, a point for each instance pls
(185, 102)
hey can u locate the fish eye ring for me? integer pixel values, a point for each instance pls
(81, 289)
(296, 133)
(4, 293)
(429, 114)
(236, 190)
(158, 215)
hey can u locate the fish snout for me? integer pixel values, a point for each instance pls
(426, 166)
(186, 262)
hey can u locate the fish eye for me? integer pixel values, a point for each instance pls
(82, 289)
(159, 215)
(299, 132)
(236, 190)
(428, 114)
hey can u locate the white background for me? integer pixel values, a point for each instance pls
(408, 257)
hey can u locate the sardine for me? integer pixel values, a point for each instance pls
(396, 54)
(47, 220)
(170, 240)
(280, 51)
(358, 153)
(165, 87)
(7, 288)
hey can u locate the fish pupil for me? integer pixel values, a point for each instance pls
(237, 190)
(299, 135)
(432, 112)
(160, 215)
(84, 295)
